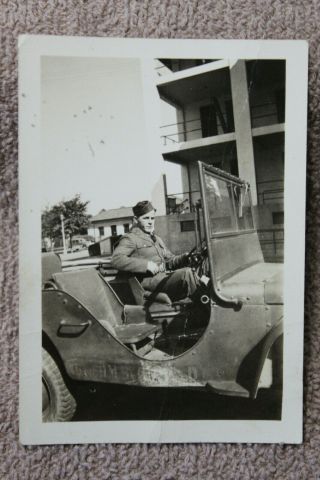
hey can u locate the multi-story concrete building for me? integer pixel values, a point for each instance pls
(230, 114)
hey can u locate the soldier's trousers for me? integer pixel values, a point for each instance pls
(177, 285)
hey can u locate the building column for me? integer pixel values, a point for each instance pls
(242, 124)
(159, 195)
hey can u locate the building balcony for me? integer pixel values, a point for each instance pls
(182, 203)
(198, 145)
(265, 114)
(196, 128)
(178, 150)
(270, 191)
(206, 149)
(195, 84)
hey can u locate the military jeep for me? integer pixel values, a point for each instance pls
(97, 329)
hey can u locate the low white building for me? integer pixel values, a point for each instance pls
(110, 223)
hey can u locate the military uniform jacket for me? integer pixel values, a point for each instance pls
(137, 248)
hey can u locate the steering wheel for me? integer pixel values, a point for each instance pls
(198, 258)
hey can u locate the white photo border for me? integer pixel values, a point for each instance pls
(287, 430)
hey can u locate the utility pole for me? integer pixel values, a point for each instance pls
(63, 234)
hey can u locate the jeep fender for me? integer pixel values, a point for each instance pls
(269, 340)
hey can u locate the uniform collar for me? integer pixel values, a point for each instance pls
(142, 234)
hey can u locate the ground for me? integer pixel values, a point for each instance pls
(107, 402)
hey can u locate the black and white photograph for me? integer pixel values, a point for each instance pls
(163, 200)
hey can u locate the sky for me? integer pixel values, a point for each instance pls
(100, 135)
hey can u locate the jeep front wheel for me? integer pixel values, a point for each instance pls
(58, 405)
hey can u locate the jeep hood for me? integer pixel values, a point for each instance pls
(261, 283)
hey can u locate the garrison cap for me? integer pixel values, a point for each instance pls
(141, 208)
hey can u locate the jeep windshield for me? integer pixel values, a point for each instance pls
(232, 240)
(229, 206)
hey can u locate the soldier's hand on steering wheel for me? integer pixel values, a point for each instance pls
(194, 258)
(191, 258)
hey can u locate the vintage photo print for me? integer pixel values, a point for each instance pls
(162, 203)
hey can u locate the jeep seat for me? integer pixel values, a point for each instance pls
(95, 294)
(51, 264)
(141, 296)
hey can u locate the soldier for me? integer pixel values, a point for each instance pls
(142, 253)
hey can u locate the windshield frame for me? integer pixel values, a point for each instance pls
(219, 174)
(229, 179)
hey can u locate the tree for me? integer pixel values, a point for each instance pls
(75, 215)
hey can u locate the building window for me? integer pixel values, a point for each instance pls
(113, 230)
(208, 118)
(229, 115)
(277, 218)
(101, 231)
(187, 226)
(126, 227)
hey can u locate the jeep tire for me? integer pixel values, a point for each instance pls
(58, 405)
